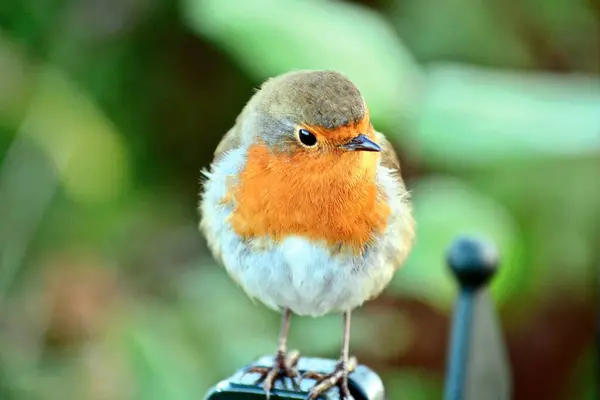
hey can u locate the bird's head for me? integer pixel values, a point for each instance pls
(311, 113)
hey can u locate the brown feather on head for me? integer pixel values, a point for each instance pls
(324, 103)
(326, 99)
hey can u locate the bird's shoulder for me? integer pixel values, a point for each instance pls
(231, 140)
(389, 158)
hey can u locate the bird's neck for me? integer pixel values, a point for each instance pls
(330, 198)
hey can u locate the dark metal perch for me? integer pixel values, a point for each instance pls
(364, 384)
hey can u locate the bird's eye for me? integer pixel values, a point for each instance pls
(307, 138)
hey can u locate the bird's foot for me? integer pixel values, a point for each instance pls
(283, 367)
(339, 378)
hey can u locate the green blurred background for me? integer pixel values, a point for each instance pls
(110, 108)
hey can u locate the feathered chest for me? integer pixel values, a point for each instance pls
(332, 198)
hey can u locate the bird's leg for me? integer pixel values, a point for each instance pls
(284, 364)
(339, 376)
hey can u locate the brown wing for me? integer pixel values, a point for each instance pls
(404, 219)
(233, 137)
(389, 159)
(230, 141)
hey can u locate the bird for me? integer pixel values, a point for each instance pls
(305, 206)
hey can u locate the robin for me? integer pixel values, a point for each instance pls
(305, 207)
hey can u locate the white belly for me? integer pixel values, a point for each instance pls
(305, 277)
(297, 274)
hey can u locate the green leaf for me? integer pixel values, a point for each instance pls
(570, 31)
(477, 34)
(412, 384)
(162, 364)
(220, 326)
(270, 37)
(473, 116)
(86, 147)
(83, 143)
(444, 209)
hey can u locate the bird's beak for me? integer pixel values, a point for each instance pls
(361, 143)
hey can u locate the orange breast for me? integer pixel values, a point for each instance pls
(331, 197)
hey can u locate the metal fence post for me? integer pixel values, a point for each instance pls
(477, 367)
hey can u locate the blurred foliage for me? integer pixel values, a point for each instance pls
(109, 108)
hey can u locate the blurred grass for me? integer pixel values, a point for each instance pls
(108, 110)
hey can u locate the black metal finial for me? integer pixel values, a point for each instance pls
(473, 261)
(477, 364)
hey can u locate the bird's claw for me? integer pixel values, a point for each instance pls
(283, 367)
(339, 378)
